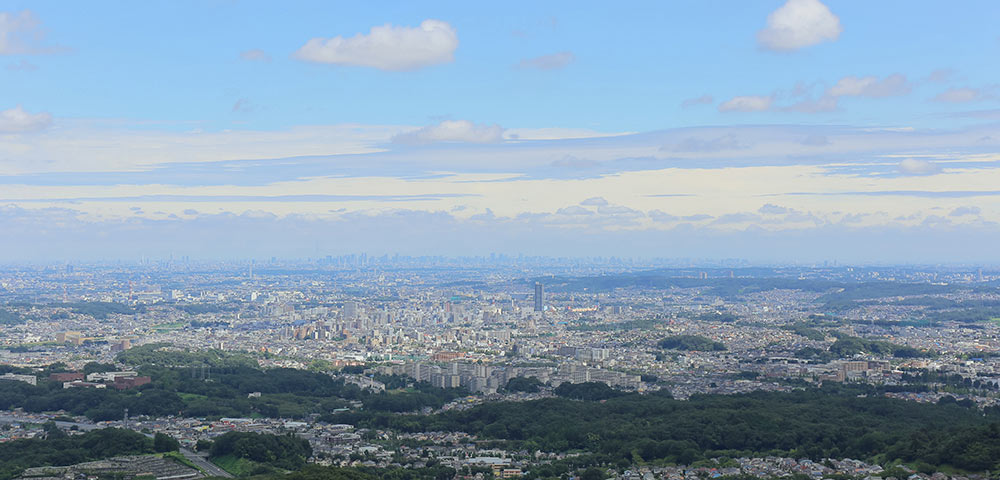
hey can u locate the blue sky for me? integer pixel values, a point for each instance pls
(861, 120)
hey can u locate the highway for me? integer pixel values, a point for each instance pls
(209, 468)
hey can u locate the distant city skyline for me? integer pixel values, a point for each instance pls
(775, 131)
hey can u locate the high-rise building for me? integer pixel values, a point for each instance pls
(350, 310)
(538, 297)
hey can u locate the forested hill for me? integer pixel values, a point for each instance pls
(645, 428)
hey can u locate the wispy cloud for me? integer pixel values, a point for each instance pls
(964, 95)
(870, 86)
(555, 61)
(22, 33)
(255, 55)
(243, 105)
(702, 100)
(748, 103)
(941, 75)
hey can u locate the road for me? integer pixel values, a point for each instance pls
(208, 467)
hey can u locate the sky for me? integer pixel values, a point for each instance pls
(774, 131)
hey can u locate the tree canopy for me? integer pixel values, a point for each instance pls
(692, 343)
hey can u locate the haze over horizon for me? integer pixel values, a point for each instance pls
(793, 130)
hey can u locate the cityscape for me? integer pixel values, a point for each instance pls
(452, 335)
(446, 240)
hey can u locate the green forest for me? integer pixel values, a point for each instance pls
(286, 452)
(692, 343)
(618, 429)
(9, 317)
(847, 346)
(636, 429)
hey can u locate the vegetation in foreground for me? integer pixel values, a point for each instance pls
(58, 449)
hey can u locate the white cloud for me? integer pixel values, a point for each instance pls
(255, 55)
(16, 120)
(387, 47)
(452, 131)
(554, 61)
(22, 34)
(916, 166)
(871, 86)
(961, 95)
(798, 24)
(750, 103)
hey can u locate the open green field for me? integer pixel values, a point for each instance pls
(239, 467)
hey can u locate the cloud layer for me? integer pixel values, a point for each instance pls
(463, 180)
